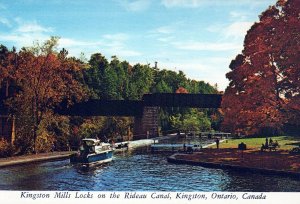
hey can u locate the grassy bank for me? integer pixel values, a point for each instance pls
(228, 155)
(285, 142)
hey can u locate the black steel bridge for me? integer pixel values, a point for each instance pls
(145, 111)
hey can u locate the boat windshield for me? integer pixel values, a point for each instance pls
(85, 149)
(105, 147)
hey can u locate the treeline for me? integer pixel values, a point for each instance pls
(36, 79)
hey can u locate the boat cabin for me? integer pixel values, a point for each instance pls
(90, 146)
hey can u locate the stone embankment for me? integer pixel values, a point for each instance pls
(19, 160)
(276, 163)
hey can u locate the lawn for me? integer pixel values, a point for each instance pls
(285, 142)
(229, 154)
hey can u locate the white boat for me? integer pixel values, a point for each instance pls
(92, 152)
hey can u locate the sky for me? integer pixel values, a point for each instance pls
(198, 37)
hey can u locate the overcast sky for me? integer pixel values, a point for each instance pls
(199, 37)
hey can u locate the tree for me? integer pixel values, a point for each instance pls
(181, 90)
(45, 78)
(122, 77)
(5, 62)
(109, 85)
(167, 81)
(162, 87)
(53, 131)
(192, 121)
(8, 60)
(263, 81)
(94, 74)
(141, 80)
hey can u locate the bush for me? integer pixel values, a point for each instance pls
(24, 135)
(44, 142)
(53, 134)
(6, 149)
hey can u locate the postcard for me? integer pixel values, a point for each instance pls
(168, 101)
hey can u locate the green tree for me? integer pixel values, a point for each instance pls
(122, 77)
(162, 87)
(109, 85)
(141, 80)
(94, 74)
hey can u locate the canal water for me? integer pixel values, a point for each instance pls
(138, 170)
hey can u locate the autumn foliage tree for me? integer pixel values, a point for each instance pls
(263, 94)
(181, 90)
(44, 78)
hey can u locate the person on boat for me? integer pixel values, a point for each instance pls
(112, 142)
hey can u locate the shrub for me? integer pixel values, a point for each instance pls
(6, 149)
(44, 142)
(53, 134)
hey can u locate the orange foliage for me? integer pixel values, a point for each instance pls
(42, 78)
(264, 81)
(181, 90)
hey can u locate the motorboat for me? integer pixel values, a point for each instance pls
(92, 152)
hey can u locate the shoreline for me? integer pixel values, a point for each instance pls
(233, 167)
(34, 158)
(54, 156)
(238, 163)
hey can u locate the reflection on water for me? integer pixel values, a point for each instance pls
(138, 171)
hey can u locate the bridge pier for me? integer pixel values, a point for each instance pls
(147, 125)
